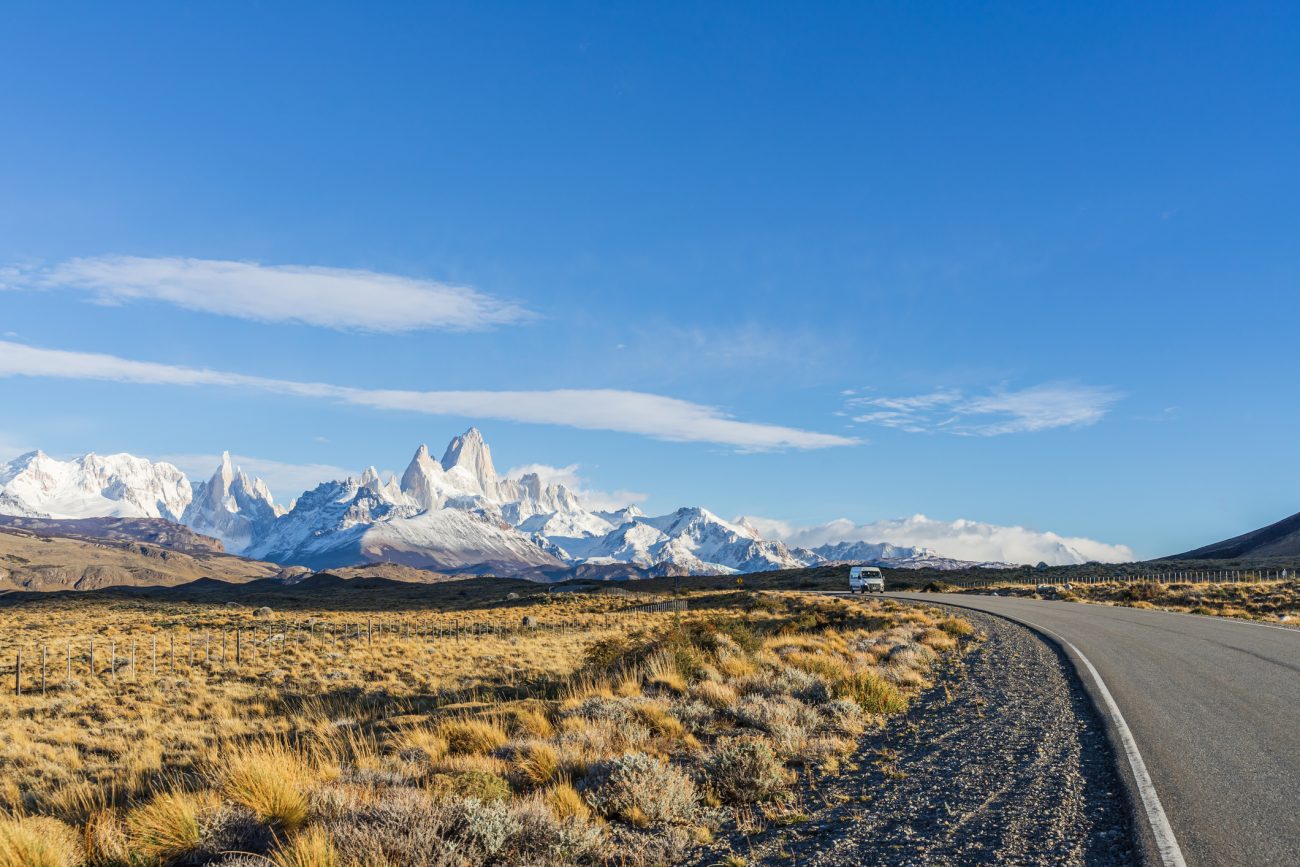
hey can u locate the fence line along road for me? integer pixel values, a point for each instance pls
(222, 651)
(226, 651)
(1176, 576)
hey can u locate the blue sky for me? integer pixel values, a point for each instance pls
(1024, 264)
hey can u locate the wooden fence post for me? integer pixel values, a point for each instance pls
(43, 670)
(18, 673)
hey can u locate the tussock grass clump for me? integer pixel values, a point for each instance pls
(566, 802)
(105, 838)
(873, 692)
(524, 722)
(716, 695)
(659, 720)
(269, 780)
(310, 848)
(472, 736)
(937, 639)
(536, 762)
(663, 670)
(956, 627)
(421, 744)
(167, 826)
(38, 841)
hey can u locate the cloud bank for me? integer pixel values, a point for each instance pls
(961, 540)
(339, 298)
(285, 480)
(574, 481)
(634, 412)
(1037, 408)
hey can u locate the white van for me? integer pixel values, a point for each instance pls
(866, 579)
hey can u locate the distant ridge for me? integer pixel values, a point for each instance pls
(1276, 540)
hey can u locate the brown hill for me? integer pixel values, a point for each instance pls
(155, 531)
(33, 561)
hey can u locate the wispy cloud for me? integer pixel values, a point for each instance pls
(572, 479)
(961, 540)
(1037, 408)
(634, 412)
(340, 298)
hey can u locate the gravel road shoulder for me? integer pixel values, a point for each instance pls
(1004, 760)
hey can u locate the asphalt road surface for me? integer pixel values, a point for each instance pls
(1213, 707)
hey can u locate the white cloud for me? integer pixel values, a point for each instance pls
(285, 480)
(342, 298)
(574, 481)
(768, 528)
(960, 540)
(651, 415)
(1037, 408)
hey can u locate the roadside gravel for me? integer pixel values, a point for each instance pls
(1003, 761)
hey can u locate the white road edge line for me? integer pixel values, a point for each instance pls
(1166, 843)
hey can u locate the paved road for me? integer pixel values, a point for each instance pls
(1214, 708)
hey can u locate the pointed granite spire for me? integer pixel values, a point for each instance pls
(469, 452)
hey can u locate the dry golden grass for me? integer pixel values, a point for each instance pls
(472, 736)
(38, 841)
(166, 826)
(311, 848)
(566, 803)
(268, 779)
(716, 695)
(537, 762)
(330, 714)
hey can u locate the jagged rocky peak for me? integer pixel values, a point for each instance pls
(543, 497)
(469, 453)
(231, 507)
(422, 481)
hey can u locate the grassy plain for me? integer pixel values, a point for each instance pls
(355, 727)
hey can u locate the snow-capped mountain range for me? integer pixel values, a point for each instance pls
(450, 514)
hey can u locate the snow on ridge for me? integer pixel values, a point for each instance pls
(455, 512)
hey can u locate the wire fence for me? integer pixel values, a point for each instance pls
(118, 657)
(1174, 576)
(657, 607)
(67, 663)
